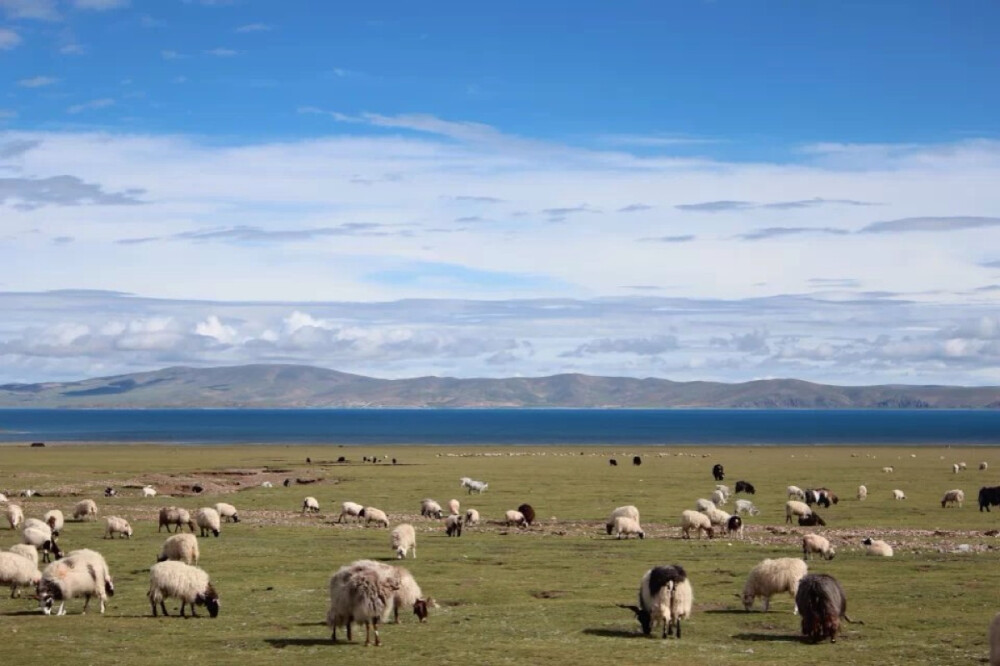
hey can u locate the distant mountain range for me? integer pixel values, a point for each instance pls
(279, 386)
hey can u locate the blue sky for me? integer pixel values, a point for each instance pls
(788, 189)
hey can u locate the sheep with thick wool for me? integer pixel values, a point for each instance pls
(877, 547)
(39, 535)
(454, 507)
(625, 526)
(695, 520)
(718, 518)
(55, 520)
(208, 521)
(173, 579)
(514, 517)
(18, 571)
(794, 492)
(82, 573)
(85, 510)
(373, 515)
(471, 517)
(665, 598)
(898, 494)
(350, 510)
(117, 525)
(453, 525)
(862, 493)
(15, 516)
(402, 539)
(814, 543)
(430, 509)
(718, 498)
(180, 547)
(955, 496)
(772, 577)
(628, 511)
(796, 508)
(822, 603)
(227, 512)
(703, 504)
(25, 550)
(310, 505)
(175, 515)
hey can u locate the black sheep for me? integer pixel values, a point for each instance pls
(613, 462)
(989, 497)
(528, 512)
(811, 520)
(636, 460)
(745, 487)
(718, 472)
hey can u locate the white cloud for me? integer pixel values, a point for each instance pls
(101, 5)
(42, 10)
(254, 27)
(220, 52)
(72, 49)
(214, 328)
(102, 103)
(37, 82)
(8, 39)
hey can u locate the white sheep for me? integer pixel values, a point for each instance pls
(473, 485)
(55, 521)
(39, 535)
(227, 512)
(794, 492)
(430, 509)
(117, 525)
(172, 579)
(888, 469)
(3, 498)
(955, 468)
(994, 637)
(453, 525)
(772, 577)
(266, 484)
(351, 510)
(371, 514)
(471, 517)
(862, 493)
(15, 516)
(454, 507)
(983, 466)
(403, 538)
(724, 489)
(25, 550)
(625, 526)
(628, 511)
(718, 498)
(794, 508)
(814, 543)
(150, 491)
(181, 547)
(704, 504)
(85, 510)
(310, 504)
(955, 496)
(174, 515)
(665, 598)
(695, 520)
(516, 518)
(878, 547)
(898, 494)
(962, 466)
(208, 520)
(18, 571)
(746, 506)
(718, 518)
(82, 573)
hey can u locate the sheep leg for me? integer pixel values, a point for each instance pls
(62, 608)
(395, 613)
(350, 621)
(102, 605)
(368, 628)
(14, 592)
(183, 603)
(678, 627)
(767, 604)
(86, 602)
(378, 641)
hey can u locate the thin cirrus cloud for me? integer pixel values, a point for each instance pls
(38, 10)
(912, 224)
(37, 82)
(92, 105)
(220, 52)
(33, 193)
(777, 232)
(634, 208)
(476, 199)
(101, 5)
(724, 206)
(683, 238)
(254, 234)
(254, 27)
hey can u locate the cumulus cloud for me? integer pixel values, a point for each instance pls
(32, 193)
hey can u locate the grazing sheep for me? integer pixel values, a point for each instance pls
(665, 598)
(18, 571)
(862, 493)
(955, 468)
(898, 494)
(962, 466)
(430, 509)
(227, 512)
(628, 511)
(39, 535)
(117, 525)
(822, 603)
(172, 579)
(956, 496)
(718, 518)
(994, 637)
(718, 498)
(471, 517)
(208, 520)
(627, 527)
(25, 550)
(181, 547)
(110, 492)
(983, 466)
(989, 497)
(150, 491)
(636, 460)
(745, 487)
(516, 518)
(454, 507)
(453, 526)
(694, 520)
(310, 504)
(82, 573)
(704, 504)
(351, 510)
(735, 525)
(528, 512)
(746, 506)
(814, 543)
(403, 538)
(888, 470)
(795, 508)
(366, 592)
(794, 492)
(266, 484)
(173, 515)
(724, 489)
(55, 521)
(878, 547)
(718, 473)
(811, 520)
(822, 496)
(15, 516)
(772, 577)
(613, 462)
(85, 510)
(371, 514)
(473, 485)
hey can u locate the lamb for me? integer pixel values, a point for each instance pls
(516, 518)
(430, 509)
(665, 598)
(367, 591)
(85, 510)
(994, 638)
(704, 504)
(351, 510)
(180, 547)
(403, 538)
(888, 470)
(794, 492)
(117, 525)
(39, 535)
(453, 526)
(989, 497)
(528, 512)
(823, 603)
(628, 511)
(877, 547)
(454, 507)
(814, 543)
(227, 512)
(956, 496)
(25, 550)
(310, 504)
(15, 516)
(471, 517)
(862, 493)
(718, 498)
(898, 494)
(55, 521)
(795, 508)
(718, 473)
(208, 521)
(627, 527)
(173, 515)
(371, 514)
(181, 581)
(746, 506)
(18, 571)
(82, 573)
(694, 520)
(772, 577)
(150, 491)
(735, 525)
(745, 487)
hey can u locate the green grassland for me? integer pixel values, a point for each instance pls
(544, 595)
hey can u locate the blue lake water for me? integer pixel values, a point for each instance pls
(505, 426)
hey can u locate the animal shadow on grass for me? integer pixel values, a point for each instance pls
(776, 638)
(282, 643)
(21, 612)
(727, 611)
(613, 633)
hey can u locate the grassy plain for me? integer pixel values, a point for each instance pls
(545, 595)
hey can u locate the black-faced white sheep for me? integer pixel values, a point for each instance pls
(772, 577)
(173, 515)
(82, 573)
(227, 512)
(628, 511)
(55, 521)
(822, 604)
(85, 510)
(430, 509)
(877, 547)
(373, 515)
(956, 496)
(471, 517)
(718, 472)
(18, 571)
(402, 539)
(625, 526)
(528, 512)
(718, 518)
(745, 487)
(208, 520)
(453, 525)
(350, 510)
(695, 520)
(310, 505)
(665, 598)
(180, 547)
(173, 579)
(814, 543)
(117, 525)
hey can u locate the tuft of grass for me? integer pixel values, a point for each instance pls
(545, 595)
